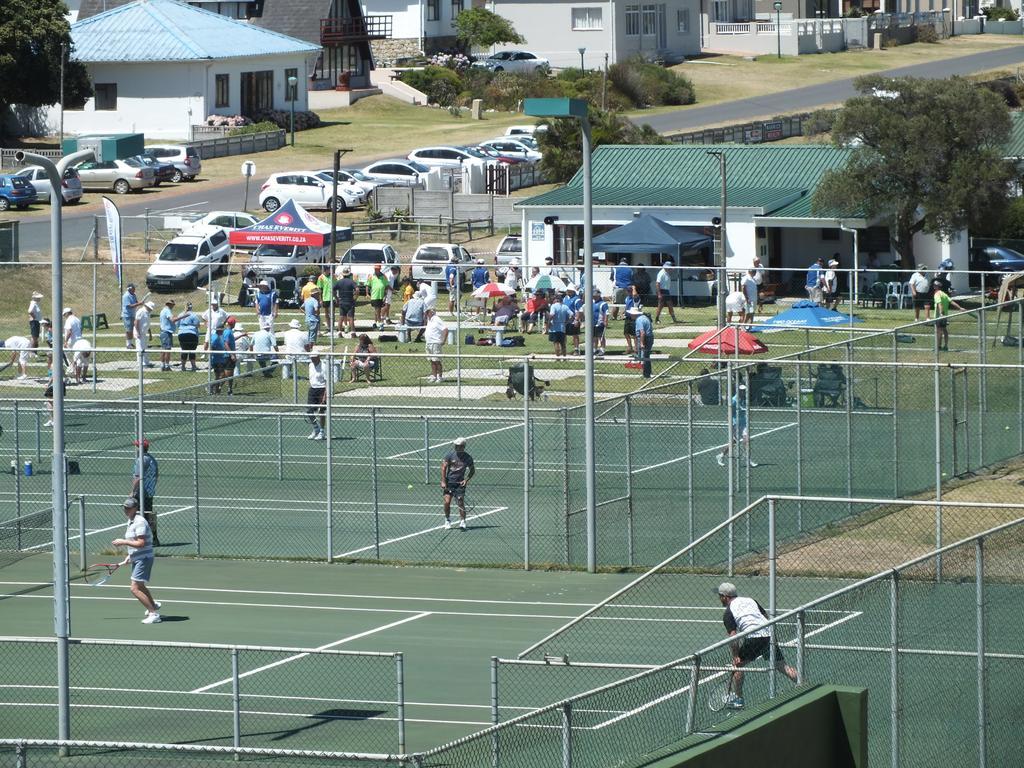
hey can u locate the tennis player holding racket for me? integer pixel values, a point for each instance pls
(139, 539)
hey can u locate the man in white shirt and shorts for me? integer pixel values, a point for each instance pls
(139, 540)
(435, 336)
(19, 347)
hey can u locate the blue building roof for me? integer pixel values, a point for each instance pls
(168, 30)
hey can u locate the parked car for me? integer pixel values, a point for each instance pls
(513, 61)
(285, 261)
(997, 258)
(449, 157)
(524, 130)
(186, 160)
(122, 176)
(496, 158)
(400, 172)
(16, 192)
(309, 191)
(431, 259)
(189, 259)
(510, 247)
(513, 148)
(363, 257)
(226, 220)
(70, 184)
(349, 176)
(161, 171)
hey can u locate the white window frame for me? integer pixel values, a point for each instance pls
(586, 18)
(649, 20)
(632, 21)
(683, 20)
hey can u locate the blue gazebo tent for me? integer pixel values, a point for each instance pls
(806, 314)
(649, 234)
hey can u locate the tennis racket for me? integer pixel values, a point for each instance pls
(718, 695)
(98, 574)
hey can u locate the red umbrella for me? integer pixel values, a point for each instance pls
(491, 290)
(710, 341)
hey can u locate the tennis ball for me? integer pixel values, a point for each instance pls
(1007, 428)
(409, 486)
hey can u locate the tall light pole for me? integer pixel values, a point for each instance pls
(720, 261)
(582, 51)
(778, 26)
(577, 109)
(293, 81)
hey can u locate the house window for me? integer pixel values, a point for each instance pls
(722, 10)
(456, 8)
(586, 19)
(650, 20)
(223, 91)
(632, 20)
(683, 19)
(291, 92)
(433, 10)
(106, 95)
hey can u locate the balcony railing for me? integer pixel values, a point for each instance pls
(342, 31)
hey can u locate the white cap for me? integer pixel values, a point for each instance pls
(67, 311)
(459, 441)
(293, 323)
(727, 589)
(264, 282)
(147, 305)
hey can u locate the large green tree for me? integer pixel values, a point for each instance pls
(561, 143)
(926, 157)
(31, 35)
(480, 28)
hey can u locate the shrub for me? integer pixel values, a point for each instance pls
(925, 33)
(456, 61)
(281, 118)
(646, 84)
(442, 92)
(1005, 91)
(262, 127)
(425, 80)
(994, 13)
(820, 121)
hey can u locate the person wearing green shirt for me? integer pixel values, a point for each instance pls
(377, 288)
(326, 285)
(942, 303)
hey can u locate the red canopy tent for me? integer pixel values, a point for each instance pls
(291, 224)
(714, 342)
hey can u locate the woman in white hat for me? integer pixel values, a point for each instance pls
(35, 316)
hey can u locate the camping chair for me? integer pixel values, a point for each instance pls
(475, 309)
(829, 386)
(874, 296)
(287, 295)
(767, 389)
(375, 371)
(517, 382)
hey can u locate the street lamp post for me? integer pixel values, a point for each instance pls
(582, 51)
(577, 109)
(293, 81)
(720, 262)
(778, 27)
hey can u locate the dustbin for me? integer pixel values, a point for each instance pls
(806, 398)
(403, 333)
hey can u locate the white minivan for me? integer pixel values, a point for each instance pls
(190, 259)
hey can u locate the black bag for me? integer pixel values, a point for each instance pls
(1011, 341)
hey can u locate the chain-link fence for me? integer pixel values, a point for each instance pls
(240, 696)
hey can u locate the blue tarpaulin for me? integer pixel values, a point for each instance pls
(806, 314)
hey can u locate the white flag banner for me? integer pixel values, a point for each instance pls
(113, 235)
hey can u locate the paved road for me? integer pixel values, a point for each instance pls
(817, 96)
(228, 195)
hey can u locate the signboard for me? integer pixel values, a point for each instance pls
(752, 136)
(772, 131)
(248, 168)
(113, 235)
(536, 231)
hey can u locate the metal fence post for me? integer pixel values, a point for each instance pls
(689, 467)
(39, 438)
(20, 756)
(400, 675)
(95, 372)
(772, 595)
(801, 648)
(17, 466)
(95, 238)
(426, 450)
(295, 380)
(799, 447)
(145, 237)
(894, 668)
(629, 483)
(731, 465)
(979, 582)
(81, 532)
(895, 420)
(565, 483)
(330, 459)
(981, 392)
(527, 381)
(375, 482)
(937, 439)
(567, 734)
(1020, 375)
(280, 447)
(236, 702)
(195, 474)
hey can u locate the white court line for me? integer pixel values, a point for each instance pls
(448, 442)
(708, 450)
(336, 643)
(418, 533)
(117, 527)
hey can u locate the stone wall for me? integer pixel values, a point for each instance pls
(386, 51)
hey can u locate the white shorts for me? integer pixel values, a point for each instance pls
(434, 353)
(733, 303)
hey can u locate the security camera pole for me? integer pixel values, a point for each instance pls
(720, 261)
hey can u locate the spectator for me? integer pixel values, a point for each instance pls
(504, 312)
(73, 327)
(129, 305)
(168, 325)
(942, 305)
(558, 320)
(294, 347)
(644, 338)
(600, 320)
(749, 288)
(452, 280)
(663, 284)
(574, 303)
(364, 360)
(325, 283)
(942, 275)
(813, 281)
(920, 291)
(376, 289)
(19, 347)
(481, 276)
(311, 312)
(138, 539)
(436, 336)
(345, 301)
(242, 344)
(188, 335)
(264, 343)
(267, 301)
(629, 326)
(512, 276)
(622, 276)
(143, 332)
(759, 272)
(414, 314)
(457, 469)
(82, 359)
(708, 388)
(740, 429)
(735, 304)
(536, 309)
(308, 286)
(35, 315)
(392, 276)
(222, 360)
(830, 285)
(214, 318)
(408, 289)
(316, 397)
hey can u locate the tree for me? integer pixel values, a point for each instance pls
(32, 33)
(926, 157)
(561, 143)
(480, 28)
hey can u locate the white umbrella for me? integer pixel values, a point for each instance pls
(546, 283)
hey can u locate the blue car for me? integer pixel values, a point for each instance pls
(15, 191)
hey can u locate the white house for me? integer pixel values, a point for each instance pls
(417, 26)
(159, 66)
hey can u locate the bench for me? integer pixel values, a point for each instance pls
(766, 294)
(100, 320)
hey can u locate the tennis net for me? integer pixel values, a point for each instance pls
(250, 383)
(26, 535)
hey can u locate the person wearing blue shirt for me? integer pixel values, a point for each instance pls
(221, 359)
(144, 486)
(740, 430)
(574, 304)
(629, 327)
(481, 276)
(168, 325)
(129, 306)
(266, 304)
(622, 276)
(188, 335)
(814, 280)
(451, 279)
(311, 310)
(644, 330)
(558, 319)
(599, 319)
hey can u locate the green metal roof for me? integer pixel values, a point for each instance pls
(675, 175)
(1014, 148)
